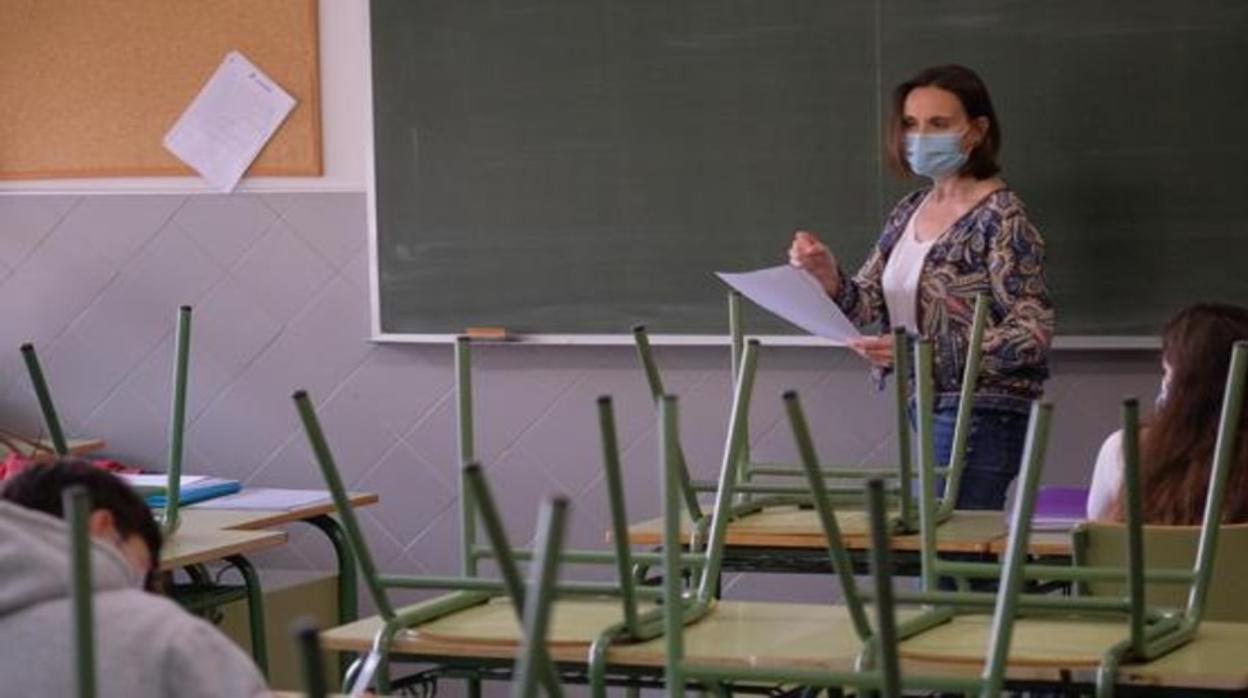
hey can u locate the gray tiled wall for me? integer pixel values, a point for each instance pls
(279, 284)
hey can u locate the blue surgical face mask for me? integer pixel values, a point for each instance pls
(935, 155)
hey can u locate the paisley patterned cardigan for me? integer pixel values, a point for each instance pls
(992, 249)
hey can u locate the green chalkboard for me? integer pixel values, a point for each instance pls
(581, 166)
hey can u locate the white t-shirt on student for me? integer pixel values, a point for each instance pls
(1106, 477)
(901, 277)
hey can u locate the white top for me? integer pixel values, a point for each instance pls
(1106, 477)
(901, 276)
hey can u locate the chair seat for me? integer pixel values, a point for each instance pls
(574, 622)
(736, 633)
(1039, 641)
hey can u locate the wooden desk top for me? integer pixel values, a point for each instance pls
(780, 635)
(793, 527)
(737, 632)
(1048, 544)
(191, 545)
(205, 535)
(255, 519)
(1044, 648)
(77, 447)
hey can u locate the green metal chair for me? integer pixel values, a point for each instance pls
(818, 493)
(76, 503)
(877, 667)
(754, 495)
(470, 588)
(202, 593)
(1151, 631)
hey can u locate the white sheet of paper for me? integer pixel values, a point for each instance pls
(795, 296)
(266, 499)
(229, 121)
(159, 480)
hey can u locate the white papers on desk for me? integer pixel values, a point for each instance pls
(156, 483)
(267, 499)
(795, 296)
(228, 123)
(158, 479)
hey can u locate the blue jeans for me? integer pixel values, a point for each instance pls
(994, 449)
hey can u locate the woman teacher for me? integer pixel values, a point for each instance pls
(967, 233)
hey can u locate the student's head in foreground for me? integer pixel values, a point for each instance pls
(1176, 446)
(119, 517)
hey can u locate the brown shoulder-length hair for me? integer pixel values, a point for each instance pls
(1176, 445)
(971, 91)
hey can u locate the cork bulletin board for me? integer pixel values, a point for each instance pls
(88, 88)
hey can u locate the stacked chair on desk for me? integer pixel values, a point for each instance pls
(920, 648)
(876, 666)
(1107, 629)
(626, 609)
(763, 485)
(1103, 631)
(202, 595)
(628, 622)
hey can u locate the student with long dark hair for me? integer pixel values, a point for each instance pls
(1176, 443)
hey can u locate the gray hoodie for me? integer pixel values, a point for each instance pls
(145, 644)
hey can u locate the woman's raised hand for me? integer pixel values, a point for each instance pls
(807, 252)
(878, 350)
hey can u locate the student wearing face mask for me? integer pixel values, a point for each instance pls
(146, 646)
(1176, 442)
(964, 233)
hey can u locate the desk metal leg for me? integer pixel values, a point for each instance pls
(347, 594)
(255, 611)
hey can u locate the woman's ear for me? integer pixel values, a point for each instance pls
(978, 131)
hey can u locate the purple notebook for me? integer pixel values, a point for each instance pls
(1060, 507)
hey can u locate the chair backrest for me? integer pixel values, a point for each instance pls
(1174, 547)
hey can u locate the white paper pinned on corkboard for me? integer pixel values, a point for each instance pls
(230, 120)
